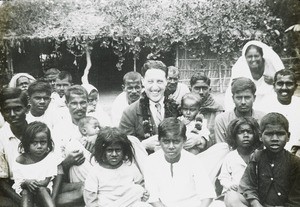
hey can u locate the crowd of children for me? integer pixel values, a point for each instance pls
(58, 146)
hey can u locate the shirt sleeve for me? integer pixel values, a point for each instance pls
(225, 176)
(127, 123)
(203, 184)
(4, 169)
(151, 183)
(249, 184)
(220, 130)
(91, 182)
(90, 198)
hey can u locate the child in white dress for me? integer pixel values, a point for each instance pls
(115, 181)
(243, 138)
(36, 167)
(197, 133)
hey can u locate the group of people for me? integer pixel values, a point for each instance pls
(165, 144)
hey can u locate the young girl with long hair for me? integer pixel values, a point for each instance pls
(36, 167)
(116, 179)
(243, 138)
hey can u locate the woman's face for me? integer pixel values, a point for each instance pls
(23, 83)
(254, 58)
(92, 100)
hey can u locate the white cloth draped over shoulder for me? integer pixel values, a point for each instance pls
(272, 63)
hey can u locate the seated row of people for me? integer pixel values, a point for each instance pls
(142, 119)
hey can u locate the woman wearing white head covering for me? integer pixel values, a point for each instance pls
(94, 108)
(19, 81)
(259, 63)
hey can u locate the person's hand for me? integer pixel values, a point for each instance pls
(31, 185)
(74, 158)
(255, 203)
(234, 187)
(151, 143)
(145, 196)
(268, 79)
(193, 139)
(89, 143)
(185, 121)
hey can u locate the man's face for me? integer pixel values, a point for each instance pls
(172, 146)
(51, 78)
(77, 106)
(274, 137)
(14, 112)
(23, 83)
(172, 82)
(61, 86)
(243, 101)
(202, 88)
(39, 102)
(155, 83)
(285, 88)
(133, 89)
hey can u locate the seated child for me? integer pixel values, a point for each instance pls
(243, 138)
(197, 132)
(173, 176)
(115, 180)
(89, 128)
(272, 177)
(35, 169)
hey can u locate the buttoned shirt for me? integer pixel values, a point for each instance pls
(272, 180)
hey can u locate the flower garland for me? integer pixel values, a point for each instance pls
(171, 110)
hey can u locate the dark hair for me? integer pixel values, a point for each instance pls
(259, 49)
(51, 71)
(234, 126)
(173, 70)
(242, 84)
(285, 72)
(29, 134)
(132, 76)
(154, 64)
(112, 135)
(171, 126)
(193, 96)
(39, 86)
(75, 89)
(199, 76)
(274, 119)
(65, 74)
(12, 93)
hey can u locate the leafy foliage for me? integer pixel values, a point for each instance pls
(207, 28)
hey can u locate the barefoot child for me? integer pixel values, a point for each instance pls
(36, 167)
(115, 180)
(197, 132)
(243, 138)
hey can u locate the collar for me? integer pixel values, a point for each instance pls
(161, 102)
(8, 132)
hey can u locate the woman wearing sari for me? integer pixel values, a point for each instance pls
(259, 63)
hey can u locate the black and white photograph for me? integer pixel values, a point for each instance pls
(149, 103)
